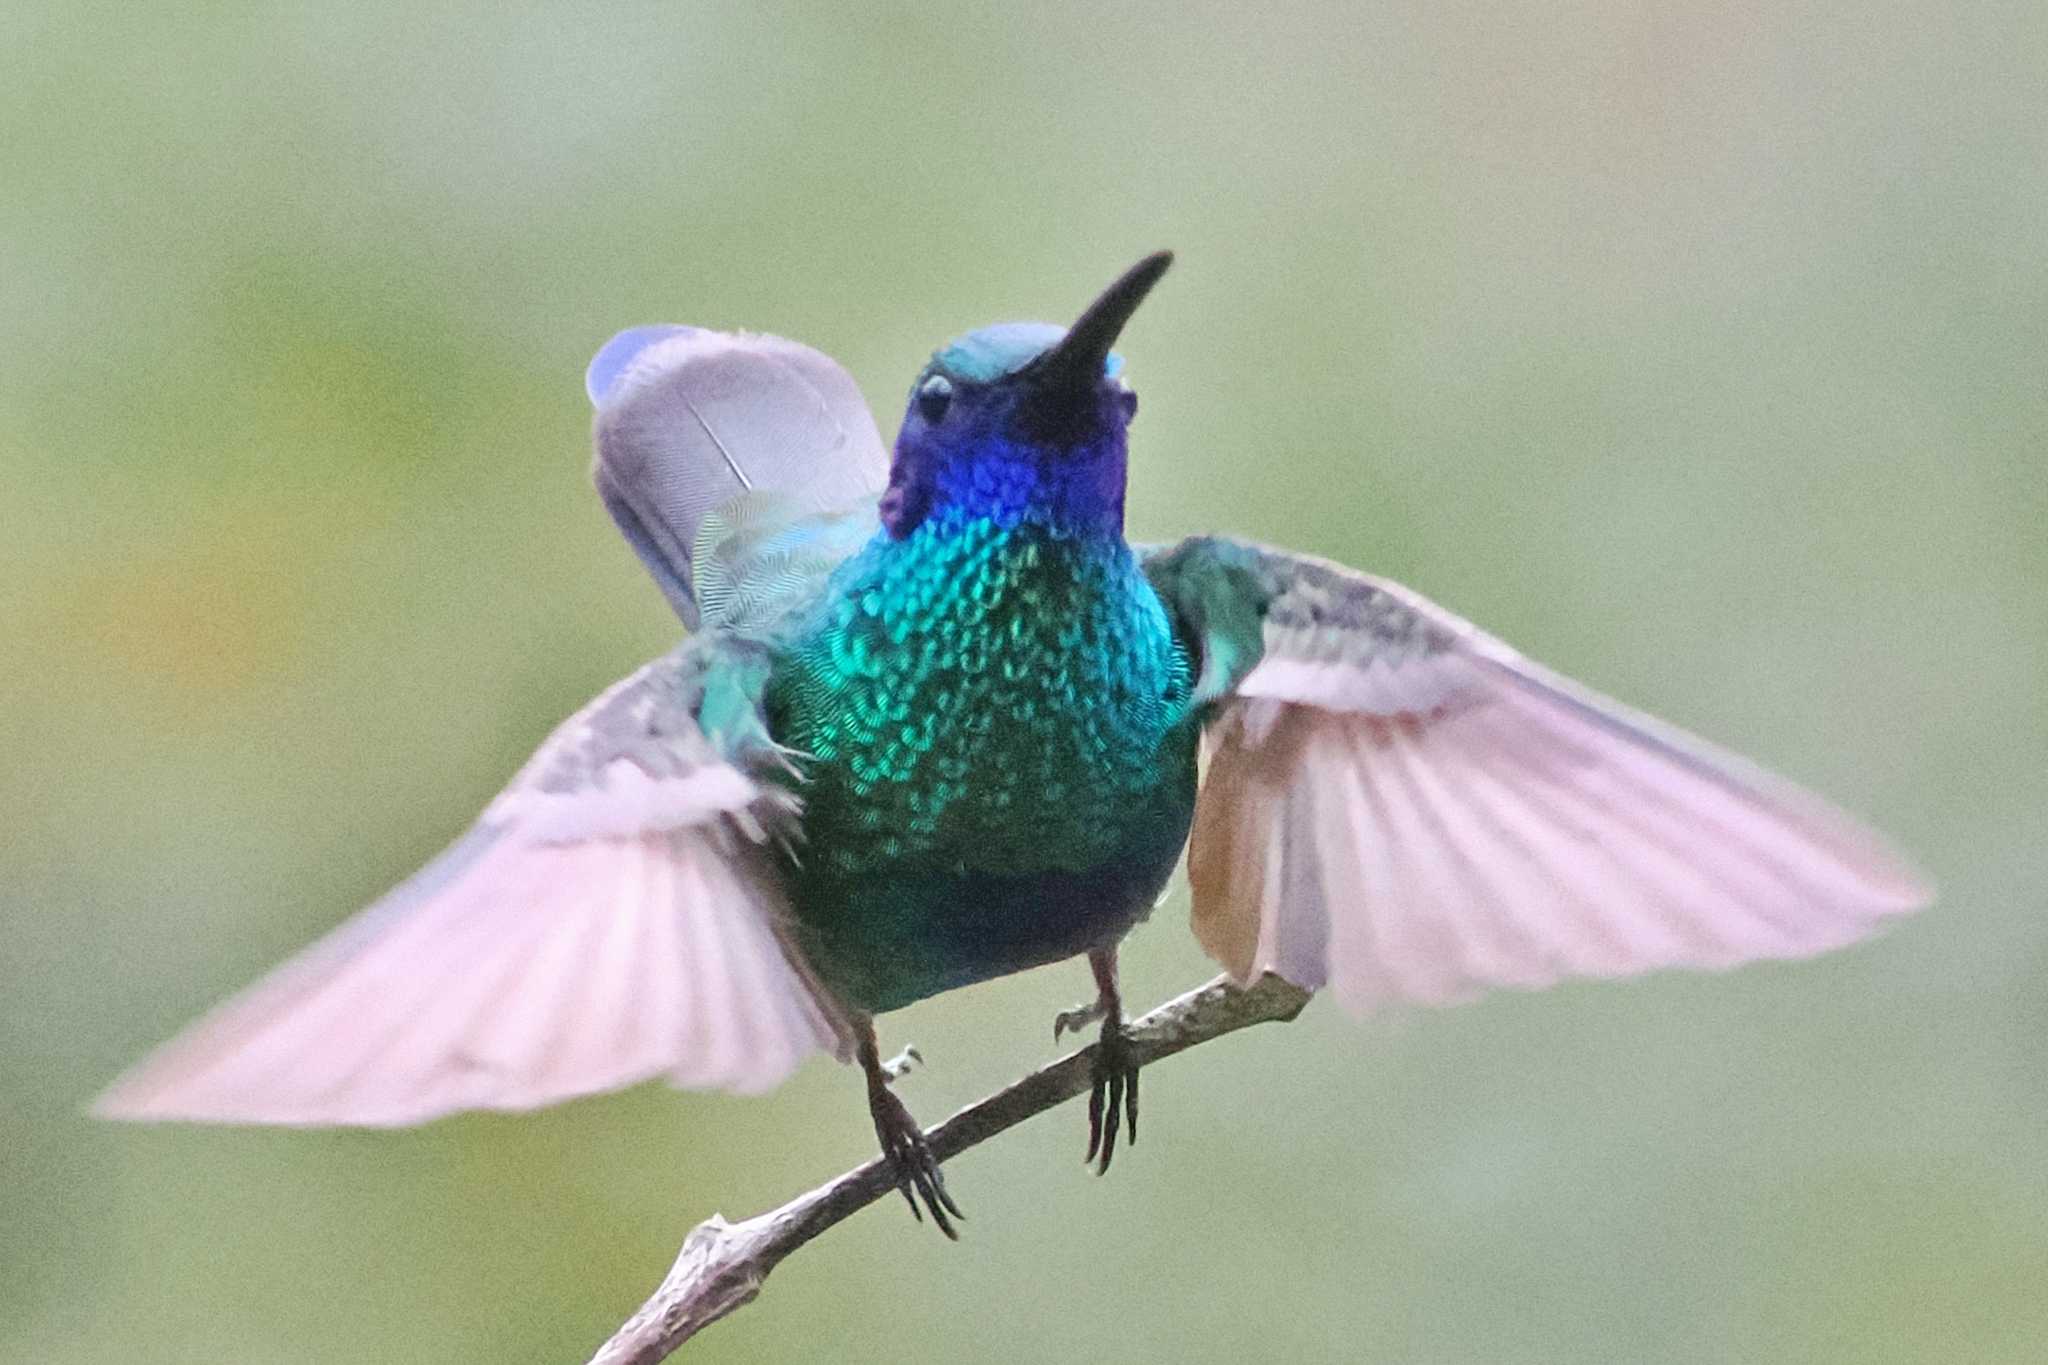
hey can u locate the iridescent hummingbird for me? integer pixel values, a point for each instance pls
(936, 722)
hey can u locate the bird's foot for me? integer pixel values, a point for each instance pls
(910, 1156)
(899, 1066)
(1113, 1095)
(1078, 1018)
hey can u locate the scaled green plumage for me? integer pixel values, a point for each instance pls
(980, 704)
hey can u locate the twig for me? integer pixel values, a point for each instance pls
(722, 1264)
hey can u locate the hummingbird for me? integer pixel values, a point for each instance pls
(935, 721)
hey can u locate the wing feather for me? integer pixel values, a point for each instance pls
(607, 921)
(1399, 806)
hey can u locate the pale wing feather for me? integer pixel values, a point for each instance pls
(1401, 807)
(549, 971)
(605, 922)
(718, 1021)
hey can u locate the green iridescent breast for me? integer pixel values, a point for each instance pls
(980, 697)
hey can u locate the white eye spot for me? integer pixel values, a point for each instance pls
(934, 396)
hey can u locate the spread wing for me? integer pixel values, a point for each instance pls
(1403, 808)
(612, 917)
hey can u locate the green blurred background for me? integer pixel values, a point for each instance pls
(1701, 350)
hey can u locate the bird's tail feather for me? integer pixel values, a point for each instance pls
(702, 437)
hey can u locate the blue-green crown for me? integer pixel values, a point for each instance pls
(986, 355)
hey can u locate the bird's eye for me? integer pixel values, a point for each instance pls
(934, 396)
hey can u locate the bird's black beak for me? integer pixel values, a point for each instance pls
(1074, 365)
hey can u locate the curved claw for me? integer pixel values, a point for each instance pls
(918, 1177)
(1078, 1018)
(1112, 1096)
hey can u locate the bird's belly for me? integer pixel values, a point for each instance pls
(986, 853)
(902, 929)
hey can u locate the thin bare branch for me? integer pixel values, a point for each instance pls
(722, 1264)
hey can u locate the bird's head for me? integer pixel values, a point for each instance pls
(1022, 421)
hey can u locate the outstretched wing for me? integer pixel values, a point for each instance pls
(699, 431)
(1403, 808)
(612, 917)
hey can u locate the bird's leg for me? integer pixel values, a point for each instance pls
(909, 1155)
(1113, 1097)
